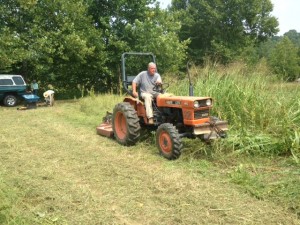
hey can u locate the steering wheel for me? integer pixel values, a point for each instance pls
(161, 88)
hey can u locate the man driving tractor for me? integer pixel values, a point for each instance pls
(173, 117)
(147, 80)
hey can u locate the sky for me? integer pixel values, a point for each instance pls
(287, 13)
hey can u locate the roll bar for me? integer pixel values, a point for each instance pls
(127, 80)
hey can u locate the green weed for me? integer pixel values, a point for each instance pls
(263, 114)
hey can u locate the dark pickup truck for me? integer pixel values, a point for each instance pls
(12, 87)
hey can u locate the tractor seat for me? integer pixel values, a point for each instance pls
(129, 83)
(129, 80)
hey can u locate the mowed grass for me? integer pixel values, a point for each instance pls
(55, 169)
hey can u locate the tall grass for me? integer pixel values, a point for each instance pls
(263, 113)
(94, 107)
(256, 129)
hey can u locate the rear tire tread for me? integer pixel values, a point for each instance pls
(132, 124)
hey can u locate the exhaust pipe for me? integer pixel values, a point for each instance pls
(191, 89)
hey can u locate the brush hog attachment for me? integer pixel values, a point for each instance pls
(105, 128)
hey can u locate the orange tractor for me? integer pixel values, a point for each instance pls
(175, 117)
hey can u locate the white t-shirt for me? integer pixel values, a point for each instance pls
(48, 93)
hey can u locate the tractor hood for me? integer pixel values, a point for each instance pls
(167, 100)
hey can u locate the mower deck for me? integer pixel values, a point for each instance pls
(105, 129)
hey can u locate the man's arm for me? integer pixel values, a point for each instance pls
(134, 92)
(158, 80)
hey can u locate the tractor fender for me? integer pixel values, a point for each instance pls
(132, 100)
(138, 105)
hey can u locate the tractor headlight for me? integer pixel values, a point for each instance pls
(208, 102)
(196, 104)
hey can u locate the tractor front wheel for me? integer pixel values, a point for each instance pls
(168, 141)
(126, 126)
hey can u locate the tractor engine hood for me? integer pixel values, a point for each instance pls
(167, 100)
(195, 110)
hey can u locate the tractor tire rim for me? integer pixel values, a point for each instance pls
(120, 125)
(165, 142)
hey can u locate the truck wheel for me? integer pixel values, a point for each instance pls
(126, 126)
(168, 141)
(10, 100)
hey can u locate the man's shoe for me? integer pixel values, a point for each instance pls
(150, 121)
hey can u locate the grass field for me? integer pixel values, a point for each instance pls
(55, 169)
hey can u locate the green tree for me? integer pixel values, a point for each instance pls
(11, 50)
(223, 29)
(294, 36)
(111, 18)
(157, 33)
(13, 23)
(139, 26)
(80, 42)
(55, 40)
(285, 59)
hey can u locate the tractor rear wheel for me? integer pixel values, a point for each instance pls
(168, 141)
(126, 126)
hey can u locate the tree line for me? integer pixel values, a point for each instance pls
(283, 55)
(78, 43)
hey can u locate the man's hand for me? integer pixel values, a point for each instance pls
(135, 94)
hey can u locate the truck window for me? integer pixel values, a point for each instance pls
(18, 80)
(6, 82)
